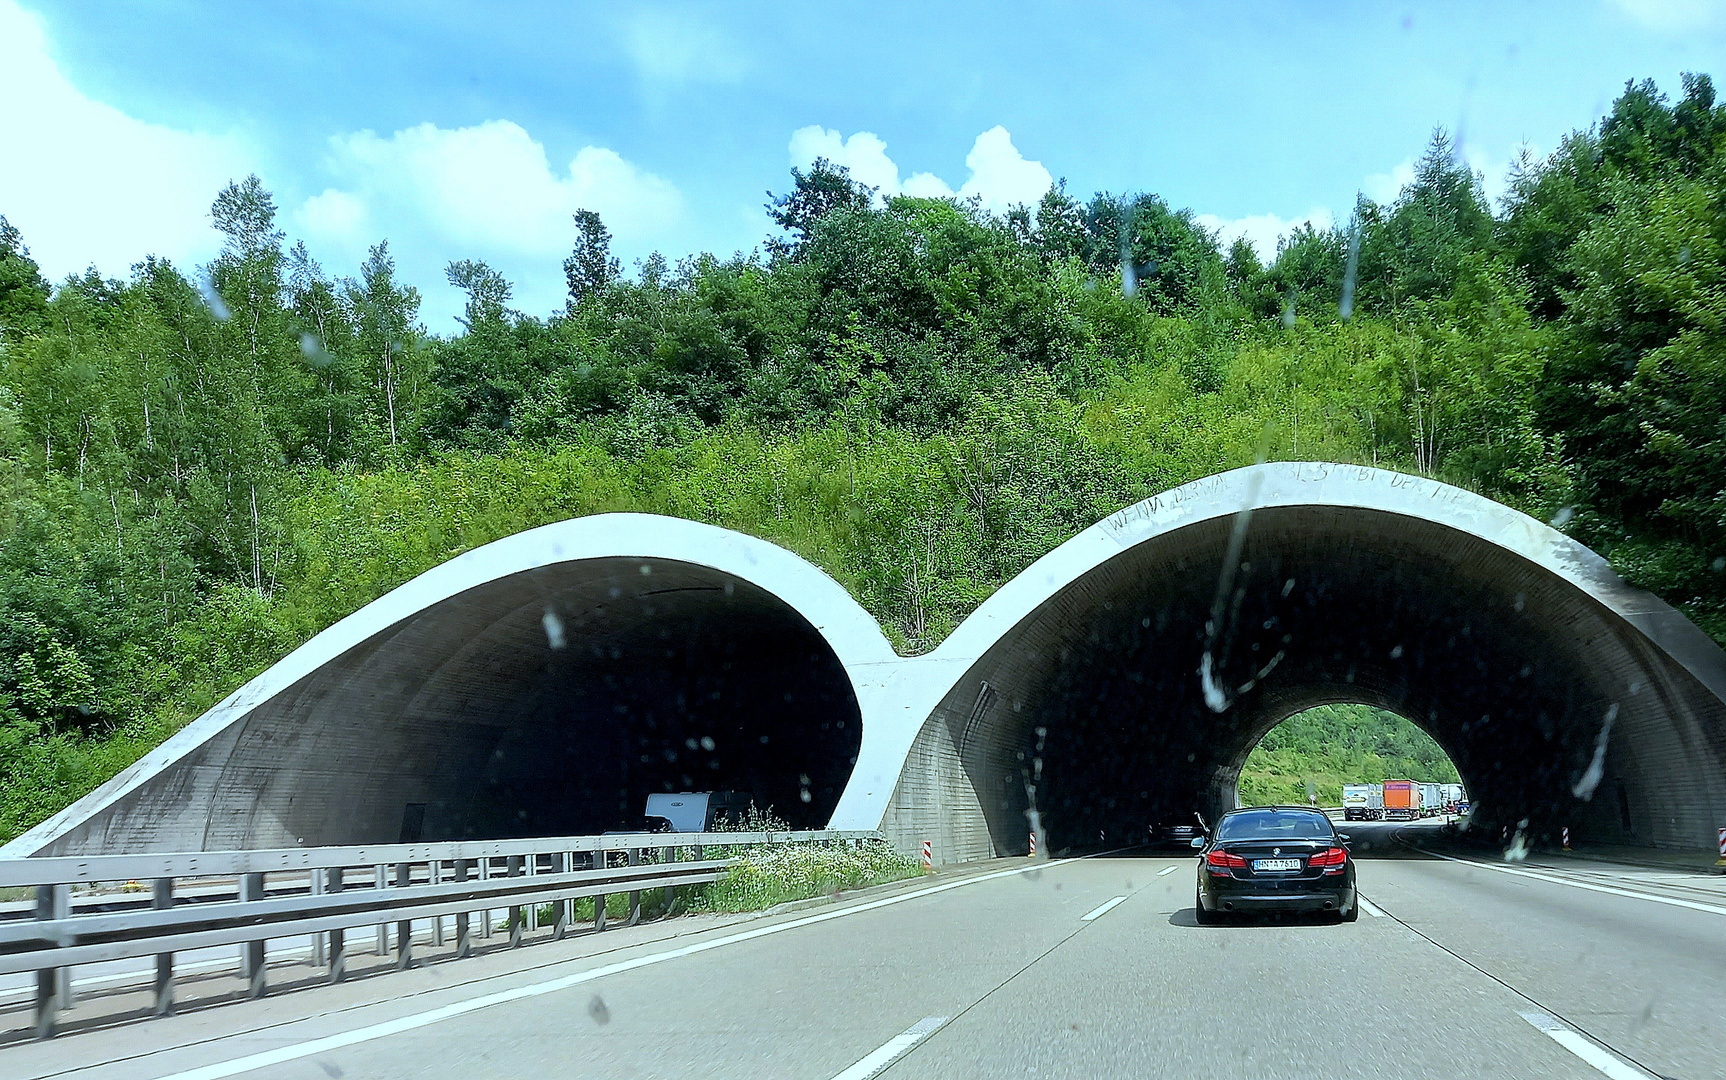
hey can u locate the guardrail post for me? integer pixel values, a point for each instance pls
(53, 902)
(252, 952)
(634, 859)
(317, 889)
(463, 932)
(404, 927)
(598, 898)
(485, 913)
(434, 872)
(381, 875)
(338, 958)
(514, 870)
(161, 899)
(532, 865)
(560, 864)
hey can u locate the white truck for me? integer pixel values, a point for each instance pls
(1362, 802)
(1431, 799)
(1453, 796)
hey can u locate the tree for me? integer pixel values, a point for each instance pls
(386, 333)
(823, 190)
(23, 289)
(487, 291)
(590, 267)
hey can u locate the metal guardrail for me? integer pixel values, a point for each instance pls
(315, 894)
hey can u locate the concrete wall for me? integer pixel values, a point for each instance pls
(694, 657)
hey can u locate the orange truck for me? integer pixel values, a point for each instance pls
(1401, 800)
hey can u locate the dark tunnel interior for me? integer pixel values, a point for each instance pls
(1486, 652)
(686, 681)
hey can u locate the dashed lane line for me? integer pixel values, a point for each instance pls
(892, 1050)
(1101, 909)
(1167, 870)
(1586, 1049)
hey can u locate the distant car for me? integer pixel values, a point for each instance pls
(1172, 833)
(1275, 858)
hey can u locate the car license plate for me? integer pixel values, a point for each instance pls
(1261, 865)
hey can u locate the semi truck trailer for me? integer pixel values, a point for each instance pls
(1362, 802)
(1401, 800)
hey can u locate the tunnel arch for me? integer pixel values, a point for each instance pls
(691, 658)
(1512, 645)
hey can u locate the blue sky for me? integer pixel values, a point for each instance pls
(472, 131)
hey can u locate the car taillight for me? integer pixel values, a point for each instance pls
(1221, 862)
(1332, 860)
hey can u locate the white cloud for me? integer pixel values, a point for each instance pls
(487, 192)
(85, 183)
(1262, 230)
(1384, 187)
(1673, 16)
(675, 48)
(1000, 176)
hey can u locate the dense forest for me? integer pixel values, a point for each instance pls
(1333, 745)
(203, 466)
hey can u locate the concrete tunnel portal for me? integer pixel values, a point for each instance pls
(545, 684)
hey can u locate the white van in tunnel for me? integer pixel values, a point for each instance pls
(698, 811)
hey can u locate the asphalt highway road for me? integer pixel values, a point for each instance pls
(1077, 968)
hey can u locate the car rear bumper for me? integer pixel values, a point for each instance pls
(1308, 900)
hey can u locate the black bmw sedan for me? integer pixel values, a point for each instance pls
(1275, 858)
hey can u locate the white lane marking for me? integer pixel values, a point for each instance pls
(893, 1049)
(1101, 909)
(1167, 870)
(1368, 906)
(1670, 901)
(296, 1051)
(1574, 1041)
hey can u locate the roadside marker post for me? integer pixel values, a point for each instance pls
(1032, 854)
(928, 856)
(1721, 861)
(1566, 832)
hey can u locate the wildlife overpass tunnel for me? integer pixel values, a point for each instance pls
(546, 683)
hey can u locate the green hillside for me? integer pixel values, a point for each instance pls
(1333, 745)
(202, 467)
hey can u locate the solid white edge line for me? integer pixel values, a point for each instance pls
(892, 1050)
(1594, 1054)
(1368, 906)
(1166, 871)
(1101, 909)
(1670, 901)
(295, 1051)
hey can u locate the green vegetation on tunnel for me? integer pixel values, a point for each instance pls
(1331, 745)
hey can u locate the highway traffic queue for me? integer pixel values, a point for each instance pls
(1401, 800)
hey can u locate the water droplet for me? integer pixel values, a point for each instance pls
(553, 629)
(646, 570)
(707, 742)
(1396, 653)
(597, 1010)
(1562, 518)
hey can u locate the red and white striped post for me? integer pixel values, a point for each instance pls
(1566, 832)
(1721, 861)
(1033, 852)
(928, 856)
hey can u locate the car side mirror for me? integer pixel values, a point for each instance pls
(1198, 842)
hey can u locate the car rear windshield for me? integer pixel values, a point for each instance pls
(1274, 825)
